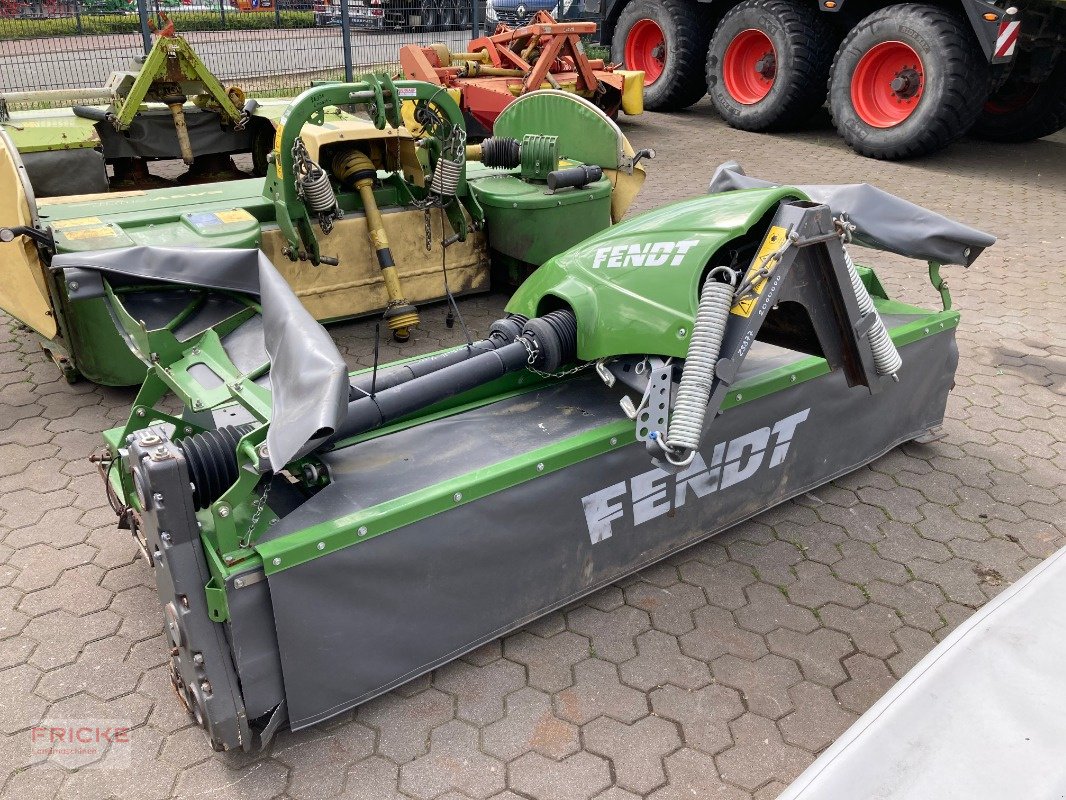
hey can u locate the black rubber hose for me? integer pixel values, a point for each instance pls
(88, 112)
(552, 338)
(366, 413)
(503, 331)
(212, 460)
(574, 177)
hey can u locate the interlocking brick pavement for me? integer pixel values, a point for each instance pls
(720, 674)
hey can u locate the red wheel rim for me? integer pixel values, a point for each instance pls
(646, 49)
(887, 84)
(1009, 103)
(749, 66)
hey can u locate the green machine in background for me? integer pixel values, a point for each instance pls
(358, 216)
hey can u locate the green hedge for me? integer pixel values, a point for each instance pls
(129, 23)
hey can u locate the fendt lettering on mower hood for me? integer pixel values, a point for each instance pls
(656, 492)
(650, 254)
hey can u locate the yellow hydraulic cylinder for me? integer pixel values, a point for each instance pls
(355, 167)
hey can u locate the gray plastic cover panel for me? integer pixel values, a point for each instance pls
(308, 377)
(883, 221)
(981, 717)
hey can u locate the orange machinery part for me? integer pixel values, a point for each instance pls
(560, 59)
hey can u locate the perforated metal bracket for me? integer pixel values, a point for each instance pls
(653, 414)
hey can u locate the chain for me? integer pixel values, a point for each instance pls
(769, 261)
(300, 157)
(259, 505)
(531, 359)
(429, 230)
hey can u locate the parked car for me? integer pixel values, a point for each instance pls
(520, 12)
(428, 15)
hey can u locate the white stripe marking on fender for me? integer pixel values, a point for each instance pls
(1007, 39)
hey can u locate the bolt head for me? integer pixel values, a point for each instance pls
(321, 545)
(140, 412)
(158, 497)
(239, 583)
(198, 658)
(223, 511)
(614, 440)
(457, 497)
(276, 562)
(362, 530)
(540, 467)
(740, 397)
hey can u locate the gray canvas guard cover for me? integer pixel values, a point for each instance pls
(308, 376)
(981, 717)
(883, 221)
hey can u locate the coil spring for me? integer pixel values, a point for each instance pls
(887, 360)
(445, 179)
(316, 189)
(694, 392)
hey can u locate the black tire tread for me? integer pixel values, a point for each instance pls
(1044, 115)
(693, 30)
(814, 46)
(965, 96)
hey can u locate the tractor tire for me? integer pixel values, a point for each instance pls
(465, 13)
(668, 40)
(449, 15)
(907, 81)
(1021, 111)
(430, 13)
(768, 64)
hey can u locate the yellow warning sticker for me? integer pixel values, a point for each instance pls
(236, 215)
(775, 238)
(101, 232)
(78, 222)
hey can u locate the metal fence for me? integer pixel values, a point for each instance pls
(265, 46)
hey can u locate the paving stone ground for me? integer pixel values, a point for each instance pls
(718, 674)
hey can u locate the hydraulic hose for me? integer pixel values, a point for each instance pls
(694, 392)
(354, 166)
(887, 360)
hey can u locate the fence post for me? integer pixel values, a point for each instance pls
(346, 39)
(475, 19)
(277, 13)
(77, 15)
(146, 34)
(222, 12)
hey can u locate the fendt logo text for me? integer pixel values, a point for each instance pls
(651, 254)
(656, 492)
